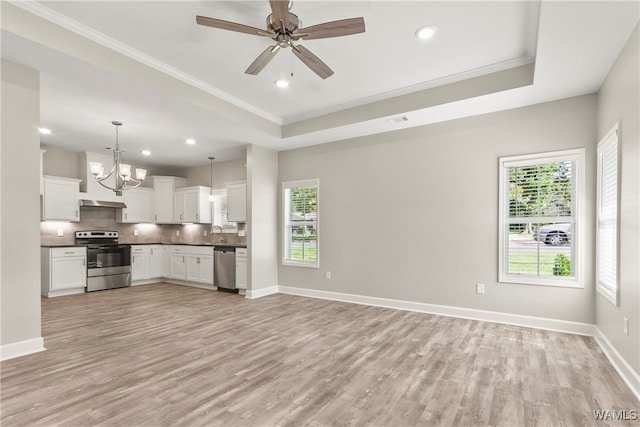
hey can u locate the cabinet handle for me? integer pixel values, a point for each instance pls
(76, 212)
(151, 251)
(126, 216)
(198, 260)
(69, 253)
(156, 217)
(183, 259)
(180, 217)
(196, 216)
(84, 262)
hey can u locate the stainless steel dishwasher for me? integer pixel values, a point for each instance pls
(224, 268)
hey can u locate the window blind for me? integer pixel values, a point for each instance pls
(607, 217)
(220, 209)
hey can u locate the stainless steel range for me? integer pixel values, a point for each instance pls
(108, 262)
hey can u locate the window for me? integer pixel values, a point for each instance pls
(540, 218)
(220, 211)
(300, 211)
(607, 217)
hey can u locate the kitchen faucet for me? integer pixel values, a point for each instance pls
(221, 235)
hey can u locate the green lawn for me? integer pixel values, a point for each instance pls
(526, 262)
(299, 253)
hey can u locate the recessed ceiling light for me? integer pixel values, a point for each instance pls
(394, 120)
(426, 32)
(146, 152)
(190, 141)
(282, 83)
(44, 131)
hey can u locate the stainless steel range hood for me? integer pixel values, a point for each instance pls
(101, 204)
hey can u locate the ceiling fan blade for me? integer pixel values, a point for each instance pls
(313, 62)
(343, 27)
(280, 9)
(262, 60)
(231, 26)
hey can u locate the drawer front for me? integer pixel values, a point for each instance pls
(241, 252)
(69, 251)
(200, 250)
(138, 249)
(178, 249)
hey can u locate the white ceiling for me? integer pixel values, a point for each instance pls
(383, 72)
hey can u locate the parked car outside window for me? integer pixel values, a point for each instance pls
(554, 234)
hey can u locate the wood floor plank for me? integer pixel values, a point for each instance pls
(165, 355)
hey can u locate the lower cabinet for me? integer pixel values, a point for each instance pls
(140, 262)
(63, 270)
(149, 262)
(181, 262)
(158, 261)
(200, 264)
(241, 268)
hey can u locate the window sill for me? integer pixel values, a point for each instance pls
(536, 281)
(608, 295)
(306, 264)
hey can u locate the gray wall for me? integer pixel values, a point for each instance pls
(413, 214)
(618, 102)
(223, 172)
(19, 221)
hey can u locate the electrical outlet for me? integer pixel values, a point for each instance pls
(626, 326)
(241, 233)
(327, 275)
(480, 288)
(204, 233)
(177, 232)
(60, 232)
(136, 232)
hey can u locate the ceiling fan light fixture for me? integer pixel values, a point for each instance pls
(282, 84)
(425, 32)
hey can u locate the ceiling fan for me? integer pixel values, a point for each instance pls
(284, 28)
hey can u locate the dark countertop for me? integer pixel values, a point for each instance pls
(226, 245)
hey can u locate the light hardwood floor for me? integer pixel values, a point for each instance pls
(163, 354)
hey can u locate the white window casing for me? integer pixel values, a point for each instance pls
(300, 214)
(607, 202)
(220, 211)
(541, 224)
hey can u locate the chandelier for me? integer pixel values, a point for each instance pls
(121, 171)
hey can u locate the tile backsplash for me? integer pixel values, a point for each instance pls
(105, 219)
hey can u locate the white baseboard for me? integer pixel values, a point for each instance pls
(258, 293)
(628, 374)
(443, 310)
(21, 348)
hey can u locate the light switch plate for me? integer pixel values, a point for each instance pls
(241, 233)
(136, 232)
(60, 232)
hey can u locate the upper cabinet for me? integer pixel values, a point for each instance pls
(192, 204)
(163, 189)
(237, 202)
(139, 208)
(60, 199)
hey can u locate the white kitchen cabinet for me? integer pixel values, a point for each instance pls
(63, 270)
(237, 202)
(192, 204)
(241, 268)
(178, 262)
(140, 262)
(158, 261)
(60, 199)
(199, 261)
(163, 197)
(139, 208)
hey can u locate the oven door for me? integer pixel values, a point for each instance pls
(104, 260)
